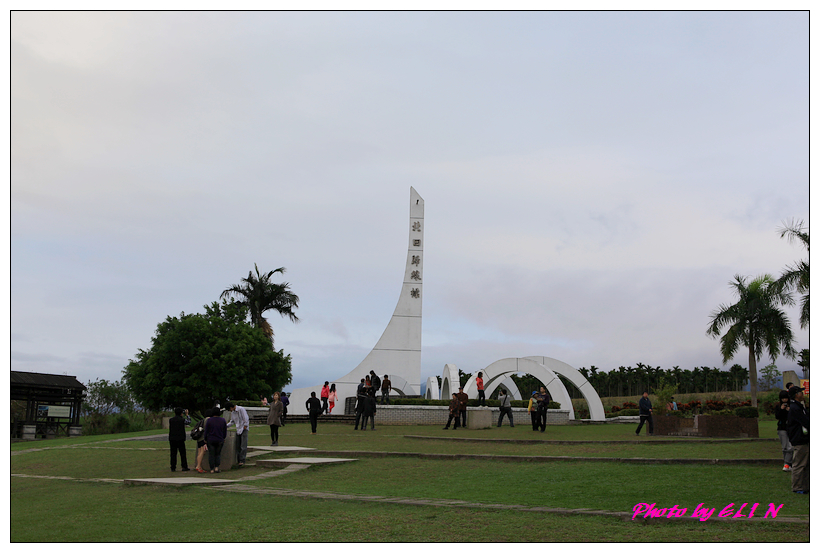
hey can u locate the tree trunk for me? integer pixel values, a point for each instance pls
(753, 375)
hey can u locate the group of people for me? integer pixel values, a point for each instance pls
(212, 430)
(793, 431)
(537, 407)
(366, 399)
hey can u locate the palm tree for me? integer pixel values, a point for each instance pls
(259, 294)
(755, 321)
(796, 277)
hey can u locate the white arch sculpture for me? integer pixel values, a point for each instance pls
(596, 408)
(431, 391)
(546, 370)
(449, 381)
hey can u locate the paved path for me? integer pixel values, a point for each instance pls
(550, 458)
(424, 502)
(654, 440)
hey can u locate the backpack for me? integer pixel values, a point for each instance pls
(198, 431)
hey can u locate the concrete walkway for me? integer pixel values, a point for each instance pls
(551, 458)
(650, 440)
(424, 502)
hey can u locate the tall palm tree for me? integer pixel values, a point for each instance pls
(259, 294)
(796, 277)
(755, 321)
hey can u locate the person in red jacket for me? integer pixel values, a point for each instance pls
(479, 382)
(325, 394)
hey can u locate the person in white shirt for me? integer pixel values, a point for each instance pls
(240, 419)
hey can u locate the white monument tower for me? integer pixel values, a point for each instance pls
(398, 351)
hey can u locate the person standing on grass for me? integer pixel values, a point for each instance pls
(361, 399)
(645, 412)
(176, 439)
(331, 398)
(283, 397)
(314, 408)
(216, 429)
(543, 406)
(386, 388)
(797, 426)
(479, 384)
(369, 405)
(532, 409)
(454, 411)
(782, 416)
(275, 418)
(462, 405)
(240, 419)
(201, 444)
(324, 394)
(506, 408)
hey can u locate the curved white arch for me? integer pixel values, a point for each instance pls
(498, 372)
(450, 381)
(596, 408)
(511, 387)
(432, 391)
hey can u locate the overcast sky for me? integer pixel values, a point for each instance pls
(592, 181)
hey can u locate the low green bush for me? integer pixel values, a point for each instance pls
(628, 412)
(747, 412)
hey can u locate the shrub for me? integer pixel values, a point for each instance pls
(747, 412)
(614, 409)
(629, 412)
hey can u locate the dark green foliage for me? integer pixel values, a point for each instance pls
(628, 412)
(748, 412)
(198, 359)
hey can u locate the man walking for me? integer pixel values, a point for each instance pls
(506, 408)
(386, 388)
(645, 412)
(314, 408)
(240, 419)
(462, 405)
(797, 426)
(176, 438)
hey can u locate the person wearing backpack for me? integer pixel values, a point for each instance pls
(532, 408)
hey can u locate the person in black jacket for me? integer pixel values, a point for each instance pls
(797, 427)
(645, 412)
(314, 407)
(176, 437)
(781, 413)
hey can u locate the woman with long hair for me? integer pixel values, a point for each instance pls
(275, 418)
(331, 398)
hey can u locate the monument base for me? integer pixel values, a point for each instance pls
(479, 418)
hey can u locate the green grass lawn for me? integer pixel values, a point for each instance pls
(102, 512)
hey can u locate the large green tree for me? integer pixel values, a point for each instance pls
(197, 359)
(796, 277)
(259, 294)
(756, 322)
